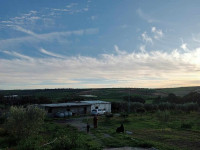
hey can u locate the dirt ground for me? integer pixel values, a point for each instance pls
(129, 148)
(81, 126)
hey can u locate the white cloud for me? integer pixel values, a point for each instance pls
(24, 30)
(147, 38)
(145, 16)
(120, 52)
(15, 54)
(93, 17)
(36, 38)
(143, 48)
(149, 69)
(184, 46)
(124, 26)
(71, 9)
(157, 33)
(50, 53)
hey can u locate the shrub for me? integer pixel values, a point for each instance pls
(30, 143)
(136, 105)
(186, 125)
(109, 115)
(163, 116)
(22, 122)
(68, 141)
(2, 118)
(2, 132)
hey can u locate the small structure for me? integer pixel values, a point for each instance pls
(80, 108)
(97, 104)
(75, 108)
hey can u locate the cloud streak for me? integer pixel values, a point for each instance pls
(50, 53)
(143, 69)
(46, 37)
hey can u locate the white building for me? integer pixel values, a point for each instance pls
(99, 105)
(82, 107)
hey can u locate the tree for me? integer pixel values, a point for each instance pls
(135, 98)
(23, 122)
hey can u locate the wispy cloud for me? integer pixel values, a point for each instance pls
(146, 38)
(72, 8)
(24, 30)
(15, 54)
(184, 46)
(145, 16)
(143, 48)
(50, 53)
(38, 38)
(157, 33)
(142, 69)
(44, 16)
(93, 17)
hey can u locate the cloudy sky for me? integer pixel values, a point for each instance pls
(99, 43)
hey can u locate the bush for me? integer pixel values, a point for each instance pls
(136, 105)
(135, 98)
(30, 143)
(163, 116)
(2, 118)
(23, 122)
(109, 115)
(68, 141)
(2, 132)
(186, 125)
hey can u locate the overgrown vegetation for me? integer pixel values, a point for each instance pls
(24, 122)
(25, 129)
(165, 130)
(153, 118)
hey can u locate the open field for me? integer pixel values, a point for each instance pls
(168, 126)
(173, 130)
(149, 131)
(107, 94)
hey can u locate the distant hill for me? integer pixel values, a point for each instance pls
(107, 94)
(180, 91)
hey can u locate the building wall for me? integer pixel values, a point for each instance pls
(106, 106)
(74, 110)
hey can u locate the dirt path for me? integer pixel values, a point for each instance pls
(81, 126)
(78, 123)
(129, 148)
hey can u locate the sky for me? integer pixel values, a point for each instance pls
(99, 43)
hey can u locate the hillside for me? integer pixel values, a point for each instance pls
(108, 94)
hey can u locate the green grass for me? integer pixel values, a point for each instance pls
(149, 131)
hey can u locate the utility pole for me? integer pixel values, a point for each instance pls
(129, 100)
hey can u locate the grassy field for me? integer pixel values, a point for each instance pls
(161, 130)
(180, 132)
(53, 136)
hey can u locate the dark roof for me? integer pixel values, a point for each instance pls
(66, 104)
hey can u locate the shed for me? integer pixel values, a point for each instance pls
(75, 108)
(97, 104)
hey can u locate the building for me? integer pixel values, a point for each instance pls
(75, 108)
(82, 107)
(96, 104)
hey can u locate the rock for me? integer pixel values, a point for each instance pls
(129, 132)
